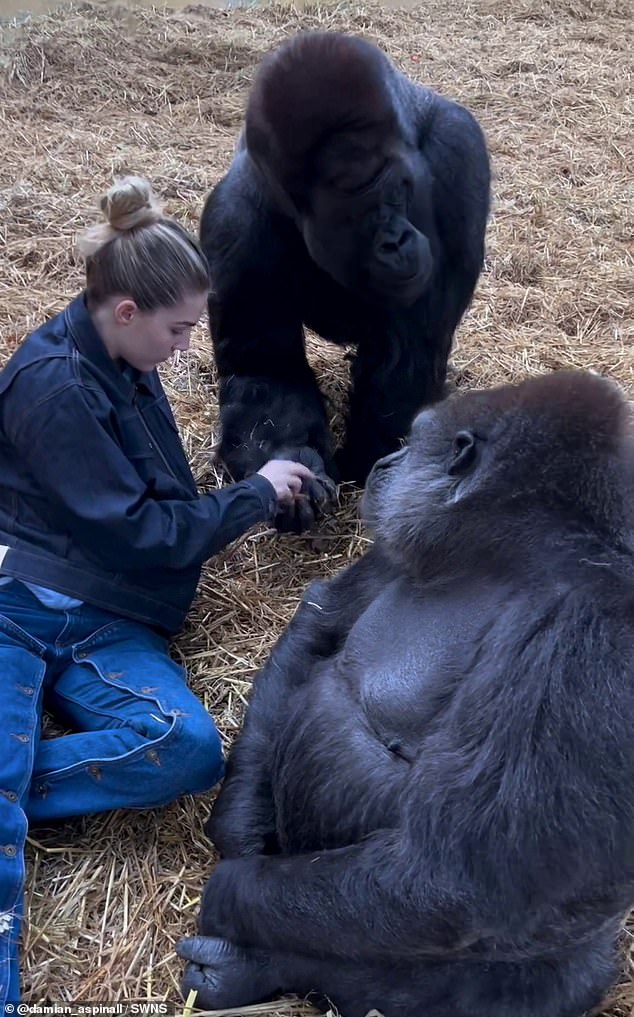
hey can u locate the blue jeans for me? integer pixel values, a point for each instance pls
(142, 737)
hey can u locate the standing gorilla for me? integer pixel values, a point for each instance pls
(430, 809)
(356, 204)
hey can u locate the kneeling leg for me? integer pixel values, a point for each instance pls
(141, 737)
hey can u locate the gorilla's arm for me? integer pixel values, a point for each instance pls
(270, 403)
(366, 902)
(242, 820)
(395, 375)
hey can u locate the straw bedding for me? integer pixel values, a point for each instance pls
(94, 90)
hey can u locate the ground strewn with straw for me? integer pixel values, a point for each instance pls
(95, 90)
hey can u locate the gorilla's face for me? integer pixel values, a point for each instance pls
(356, 226)
(474, 462)
(410, 495)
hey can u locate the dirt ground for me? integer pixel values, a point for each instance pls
(95, 90)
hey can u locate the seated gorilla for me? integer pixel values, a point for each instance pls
(356, 204)
(430, 809)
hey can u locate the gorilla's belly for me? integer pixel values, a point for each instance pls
(350, 782)
(360, 722)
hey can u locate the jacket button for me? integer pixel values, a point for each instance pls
(10, 850)
(95, 771)
(153, 756)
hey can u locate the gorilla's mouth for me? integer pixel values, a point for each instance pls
(377, 477)
(395, 289)
(419, 275)
(403, 286)
(408, 289)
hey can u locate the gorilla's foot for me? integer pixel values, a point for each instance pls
(225, 976)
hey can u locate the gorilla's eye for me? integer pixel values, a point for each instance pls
(464, 451)
(370, 182)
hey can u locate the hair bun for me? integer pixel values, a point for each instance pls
(131, 202)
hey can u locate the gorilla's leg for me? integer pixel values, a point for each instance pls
(395, 375)
(388, 386)
(228, 976)
(560, 986)
(242, 821)
(270, 403)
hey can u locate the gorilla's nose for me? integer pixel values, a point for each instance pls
(396, 248)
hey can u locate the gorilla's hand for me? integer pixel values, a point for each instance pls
(318, 496)
(223, 975)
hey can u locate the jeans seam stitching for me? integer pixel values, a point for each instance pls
(13, 629)
(51, 775)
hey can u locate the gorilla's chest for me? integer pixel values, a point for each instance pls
(407, 658)
(333, 312)
(345, 744)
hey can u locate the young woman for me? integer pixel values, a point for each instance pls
(102, 538)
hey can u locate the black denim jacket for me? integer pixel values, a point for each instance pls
(97, 499)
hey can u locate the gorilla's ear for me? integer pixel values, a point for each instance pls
(463, 453)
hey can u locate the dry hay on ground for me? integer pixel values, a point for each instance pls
(96, 90)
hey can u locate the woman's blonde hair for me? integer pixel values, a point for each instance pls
(140, 253)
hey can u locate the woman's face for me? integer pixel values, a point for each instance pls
(145, 339)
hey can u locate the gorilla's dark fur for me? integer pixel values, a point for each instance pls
(356, 204)
(430, 809)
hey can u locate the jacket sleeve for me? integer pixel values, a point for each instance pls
(94, 492)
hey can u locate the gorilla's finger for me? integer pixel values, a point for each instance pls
(205, 949)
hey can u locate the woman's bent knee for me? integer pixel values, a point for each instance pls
(198, 760)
